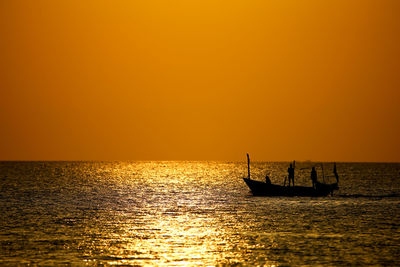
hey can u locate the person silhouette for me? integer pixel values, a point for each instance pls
(313, 177)
(291, 174)
(267, 180)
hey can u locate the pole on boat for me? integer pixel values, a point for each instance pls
(248, 165)
(335, 172)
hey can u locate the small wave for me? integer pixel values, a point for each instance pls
(369, 196)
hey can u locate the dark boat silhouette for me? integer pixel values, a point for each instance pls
(259, 188)
(263, 189)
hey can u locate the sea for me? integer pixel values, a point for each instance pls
(195, 213)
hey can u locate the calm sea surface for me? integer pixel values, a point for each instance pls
(194, 213)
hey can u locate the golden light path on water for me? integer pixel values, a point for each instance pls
(175, 231)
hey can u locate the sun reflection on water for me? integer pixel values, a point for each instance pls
(166, 218)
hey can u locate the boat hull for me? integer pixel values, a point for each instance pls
(263, 189)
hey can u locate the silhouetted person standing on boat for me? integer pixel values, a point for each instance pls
(291, 174)
(313, 177)
(267, 180)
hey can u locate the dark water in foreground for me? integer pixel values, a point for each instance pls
(194, 213)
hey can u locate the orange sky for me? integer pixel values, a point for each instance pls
(200, 80)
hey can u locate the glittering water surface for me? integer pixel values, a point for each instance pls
(194, 213)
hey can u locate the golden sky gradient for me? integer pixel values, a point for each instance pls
(200, 80)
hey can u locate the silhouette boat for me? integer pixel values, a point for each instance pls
(259, 188)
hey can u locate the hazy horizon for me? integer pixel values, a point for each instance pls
(197, 160)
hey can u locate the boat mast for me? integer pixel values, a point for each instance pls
(335, 172)
(248, 165)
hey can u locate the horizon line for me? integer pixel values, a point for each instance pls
(186, 160)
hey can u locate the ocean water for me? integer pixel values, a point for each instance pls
(195, 213)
